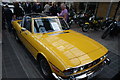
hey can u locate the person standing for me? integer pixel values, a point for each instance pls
(18, 11)
(27, 7)
(53, 10)
(37, 8)
(46, 8)
(64, 12)
(3, 18)
(8, 17)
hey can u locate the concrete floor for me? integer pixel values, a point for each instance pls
(17, 61)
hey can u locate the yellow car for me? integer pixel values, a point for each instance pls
(61, 52)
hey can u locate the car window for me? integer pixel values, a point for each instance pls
(20, 22)
(45, 25)
(27, 24)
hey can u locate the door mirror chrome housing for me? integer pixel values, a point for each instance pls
(23, 29)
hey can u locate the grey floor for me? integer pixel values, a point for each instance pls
(17, 61)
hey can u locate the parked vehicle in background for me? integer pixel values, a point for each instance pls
(73, 17)
(112, 29)
(78, 18)
(83, 17)
(93, 23)
(10, 5)
(106, 23)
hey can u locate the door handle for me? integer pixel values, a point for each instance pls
(22, 30)
(26, 33)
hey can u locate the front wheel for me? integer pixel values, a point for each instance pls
(106, 33)
(85, 27)
(45, 69)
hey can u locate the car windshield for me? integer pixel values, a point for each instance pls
(45, 25)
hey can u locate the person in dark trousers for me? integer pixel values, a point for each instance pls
(53, 10)
(3, 19)
(8, 17)
(18, 11)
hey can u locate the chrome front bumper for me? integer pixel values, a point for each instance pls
(87, 74)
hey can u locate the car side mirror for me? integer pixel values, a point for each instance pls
(23, 29)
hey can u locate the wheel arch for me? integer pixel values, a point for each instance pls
(41, 55)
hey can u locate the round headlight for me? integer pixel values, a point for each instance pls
(105, 56)
(75, 70)
(78, 69)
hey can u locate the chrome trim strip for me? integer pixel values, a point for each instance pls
(58, 33)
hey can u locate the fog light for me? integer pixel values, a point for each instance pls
(81, 68)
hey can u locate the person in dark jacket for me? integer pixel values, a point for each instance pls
(3, 19)
(27, 7)
(53, 10)
(8, 17)
(18, 11)
(37, 8)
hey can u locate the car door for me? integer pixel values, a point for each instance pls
(26, 36)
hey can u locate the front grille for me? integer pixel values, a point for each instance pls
(84, 67)
(92, 64)
(89, 65)
(98, 67)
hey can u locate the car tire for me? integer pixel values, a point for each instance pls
(85, 27)
(108, 30)
(106, 33)
(45, 69)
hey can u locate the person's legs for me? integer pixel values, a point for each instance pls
(3, 25)
(9, 25)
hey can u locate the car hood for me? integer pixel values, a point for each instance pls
(73, 48)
